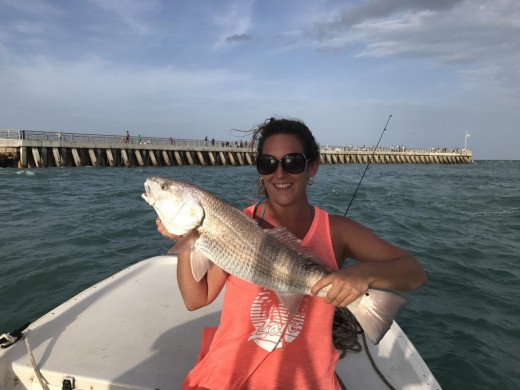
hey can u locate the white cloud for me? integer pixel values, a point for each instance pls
(130, 12)
(234, 23)
(482, 32)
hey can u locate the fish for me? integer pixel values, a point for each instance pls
(218, 233)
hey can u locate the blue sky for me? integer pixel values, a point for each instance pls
(190, 69)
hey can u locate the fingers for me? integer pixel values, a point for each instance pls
(160, 226)
(343, 289)
(342, 299)
(322, 283)
(162, 229)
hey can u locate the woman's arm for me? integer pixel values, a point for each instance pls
(380, 264)
(195, 294)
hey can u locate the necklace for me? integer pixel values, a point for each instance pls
(261, 219)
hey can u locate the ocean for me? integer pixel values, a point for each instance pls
(64, 229)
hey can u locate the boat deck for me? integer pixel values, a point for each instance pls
(132, 331)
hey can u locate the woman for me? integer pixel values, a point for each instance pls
(258, 344)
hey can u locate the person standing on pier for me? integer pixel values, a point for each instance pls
(295, 351)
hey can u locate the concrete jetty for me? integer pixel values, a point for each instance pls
(41, 149)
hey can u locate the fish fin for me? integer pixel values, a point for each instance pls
(375, 311)
(200, 264)
(184, 243)
(291, 301)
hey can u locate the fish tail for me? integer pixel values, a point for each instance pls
(375, 312)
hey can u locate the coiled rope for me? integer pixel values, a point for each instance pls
(345, 331)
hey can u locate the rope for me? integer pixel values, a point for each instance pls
(345, 331)
(39, 375)
(388, 384)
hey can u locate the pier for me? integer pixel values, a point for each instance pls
(41, 149)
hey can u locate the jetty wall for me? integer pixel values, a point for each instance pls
(36, 149)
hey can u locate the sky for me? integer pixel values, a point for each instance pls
(190, 69)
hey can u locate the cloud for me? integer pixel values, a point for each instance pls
(378, 9)
(104, 95)
(475, 33)
(130, 12)
(99, 80)
(30, 7)
(210, 66)
(234, 23)
(238, 38)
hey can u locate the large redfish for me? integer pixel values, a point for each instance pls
(271, 258)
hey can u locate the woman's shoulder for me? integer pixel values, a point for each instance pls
(249, 210)
(340, 222)
(345, 231)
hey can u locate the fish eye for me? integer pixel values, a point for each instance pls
(163, 187)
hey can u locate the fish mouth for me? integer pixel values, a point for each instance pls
(148, 196)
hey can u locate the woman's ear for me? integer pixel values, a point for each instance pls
(313, 167)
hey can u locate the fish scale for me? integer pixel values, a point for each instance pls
(279, 269)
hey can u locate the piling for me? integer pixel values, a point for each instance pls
(36, 149)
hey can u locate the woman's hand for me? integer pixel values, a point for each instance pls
(162, 229)
(347, 285)
(195, 294)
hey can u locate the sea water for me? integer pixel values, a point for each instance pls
(64, 229)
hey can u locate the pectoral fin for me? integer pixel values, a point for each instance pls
(184, 243)
(200, 264)
(291, 301)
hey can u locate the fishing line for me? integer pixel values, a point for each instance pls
(366, 168)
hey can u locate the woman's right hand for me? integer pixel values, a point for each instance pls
(195, 294)
(164, 232)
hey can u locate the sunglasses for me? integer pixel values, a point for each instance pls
(291, 163)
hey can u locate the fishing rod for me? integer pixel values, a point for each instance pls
(366, 168)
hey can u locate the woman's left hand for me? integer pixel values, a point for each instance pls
(347, 285)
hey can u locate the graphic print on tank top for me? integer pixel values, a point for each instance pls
(274, 326)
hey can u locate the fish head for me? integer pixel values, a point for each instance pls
(176, 204)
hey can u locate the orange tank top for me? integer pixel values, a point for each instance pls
(259, 345)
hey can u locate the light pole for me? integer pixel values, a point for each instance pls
(466, 135)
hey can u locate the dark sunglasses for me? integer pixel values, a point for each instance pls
(291, 163)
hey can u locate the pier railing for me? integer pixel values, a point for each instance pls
(28, 148)
(100, 139)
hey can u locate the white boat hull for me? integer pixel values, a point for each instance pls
(132, 331)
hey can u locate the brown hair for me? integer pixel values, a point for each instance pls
(292, 127)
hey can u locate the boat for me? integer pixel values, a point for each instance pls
(132, 331)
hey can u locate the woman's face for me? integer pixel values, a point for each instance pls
(283, 187)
